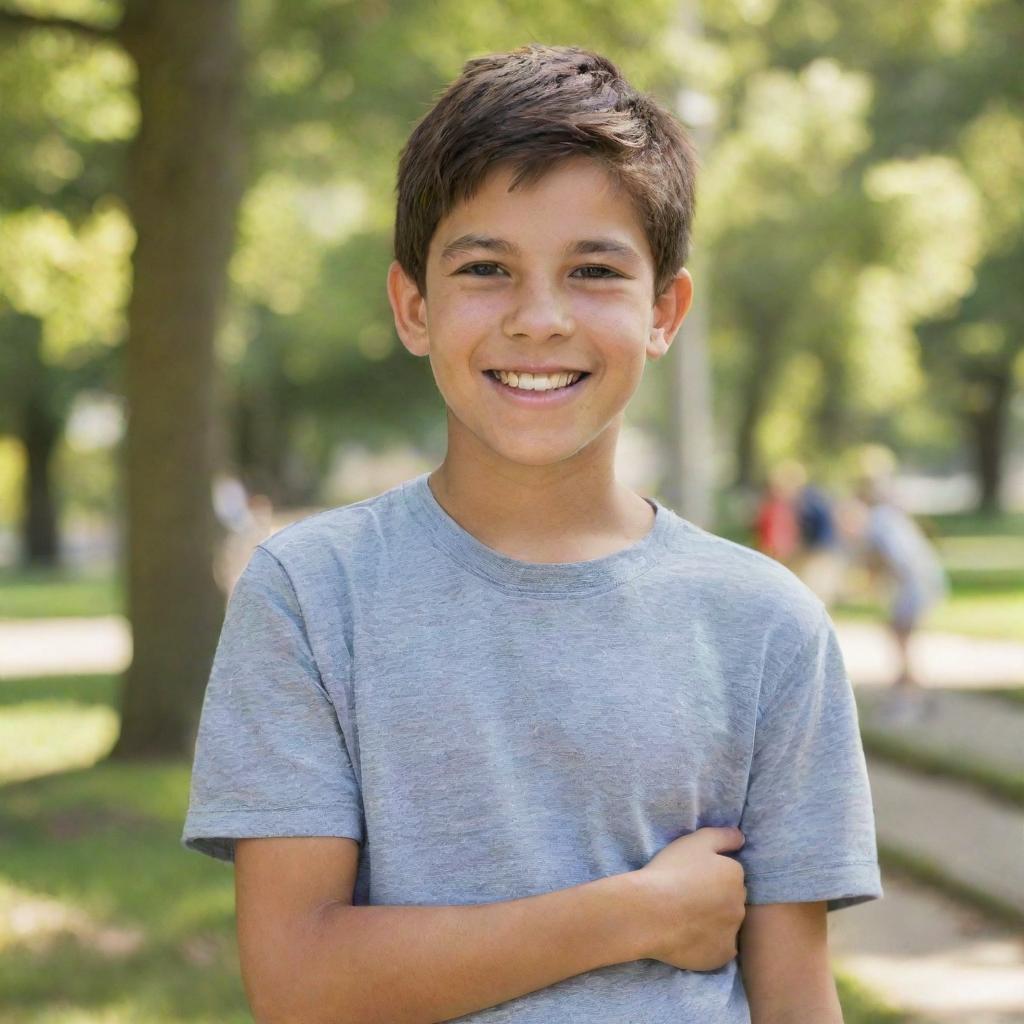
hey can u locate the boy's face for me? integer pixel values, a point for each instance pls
(556, 276)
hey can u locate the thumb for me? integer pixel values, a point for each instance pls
(724, 837)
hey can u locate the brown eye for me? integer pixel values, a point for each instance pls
(477, 266)
(602, 272)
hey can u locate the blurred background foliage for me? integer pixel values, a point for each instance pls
(861, 209)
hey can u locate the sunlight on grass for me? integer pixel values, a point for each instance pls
(39, 737)
(107, 917)
(37, 922)
(1004, 554)
(996, 615)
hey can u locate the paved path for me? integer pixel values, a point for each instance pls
(48, 647)
(963, 727)
(974, 839)
(941, 659)
(921, 951)
(929, 956)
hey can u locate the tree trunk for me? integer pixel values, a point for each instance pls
(986, 426)
(184, 177)
(40, 433)
(39, 428)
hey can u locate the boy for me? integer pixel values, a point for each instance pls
(510, 742)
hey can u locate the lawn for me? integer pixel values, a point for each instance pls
(58, 593)
(104, 917)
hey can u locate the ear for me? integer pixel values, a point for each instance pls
(672, 306)
(409, 309)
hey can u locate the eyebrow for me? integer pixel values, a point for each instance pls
(585, 247)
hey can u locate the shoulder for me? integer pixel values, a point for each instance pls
(321, 545)
(757, 597)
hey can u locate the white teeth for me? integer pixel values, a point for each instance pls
(537, 381)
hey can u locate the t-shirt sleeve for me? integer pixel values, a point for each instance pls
(270, 755)
(808, 819)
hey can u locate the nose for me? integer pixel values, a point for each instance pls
(539, 311)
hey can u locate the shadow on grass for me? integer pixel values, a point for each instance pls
(87, 690)
(94, 854)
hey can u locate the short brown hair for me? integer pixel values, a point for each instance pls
(532, 107)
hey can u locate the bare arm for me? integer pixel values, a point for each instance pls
(338, 963)
(785, 965)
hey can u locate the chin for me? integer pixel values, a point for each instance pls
(537, 456)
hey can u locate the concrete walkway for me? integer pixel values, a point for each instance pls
(931, 957)
(920, 950)
(941, 659)
(972, 838)
(962, 727)
(49, 647)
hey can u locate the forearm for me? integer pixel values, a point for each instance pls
(424, 964)
(815, 1001)
(785, 964)
(825, 1013)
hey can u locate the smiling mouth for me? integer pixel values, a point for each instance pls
(527, 382)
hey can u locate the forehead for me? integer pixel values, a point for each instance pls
(577, 204)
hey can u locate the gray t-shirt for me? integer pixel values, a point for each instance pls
(490, 729)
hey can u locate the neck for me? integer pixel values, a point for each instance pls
(569, 511)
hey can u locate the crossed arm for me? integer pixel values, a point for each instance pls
(784, 961)
(419, 963)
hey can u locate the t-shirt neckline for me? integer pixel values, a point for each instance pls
(561, 579)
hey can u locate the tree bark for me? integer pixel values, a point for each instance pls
(184, 179)
(40, 433)
(986, 427)
(39, 427)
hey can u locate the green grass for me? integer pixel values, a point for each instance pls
(39, 594)
(1012, 694)
(861, 1006)
(108, 919)
(104, 917)
(55, 723)
(995, 613)
(118, 923)
(973, 524)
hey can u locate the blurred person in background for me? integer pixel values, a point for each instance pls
(896, 550)
(776, 526)
(820, 561)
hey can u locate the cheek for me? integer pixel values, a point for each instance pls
(621, 326)
(466, 318)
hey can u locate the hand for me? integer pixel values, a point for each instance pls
(696, 900)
